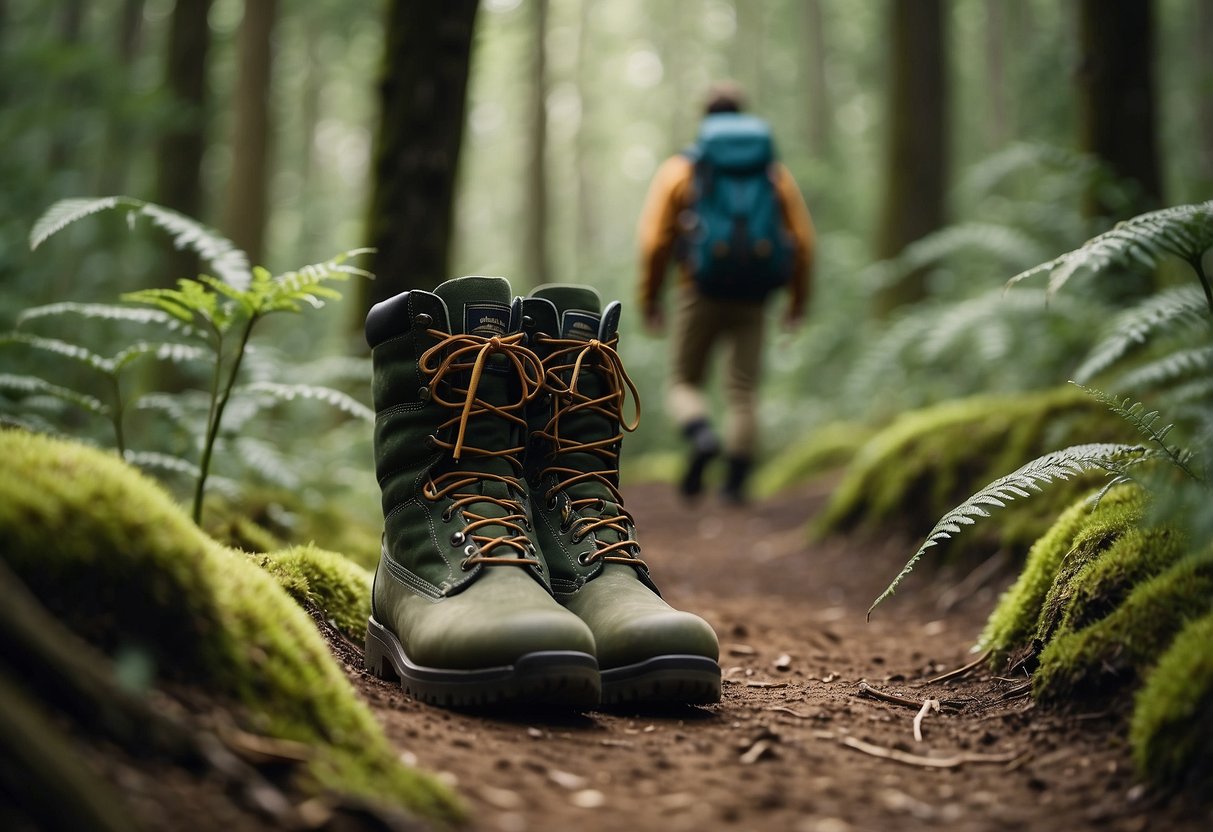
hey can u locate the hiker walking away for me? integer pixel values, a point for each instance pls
(735, 222)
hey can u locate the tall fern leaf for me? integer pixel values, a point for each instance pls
(62, 348)
(229, 262)
(1171, 309)
(1056, 466)
(103, 311)
(32, 385)
(289, 392)
(1170, 368)
(1145, 422)
(1185, 231)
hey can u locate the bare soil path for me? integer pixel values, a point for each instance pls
(783, 750)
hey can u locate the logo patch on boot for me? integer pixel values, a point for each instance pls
(486, 319)
(579, 325)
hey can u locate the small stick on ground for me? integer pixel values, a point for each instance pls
(960, 671)
(927, 706)
(954, 761)
(867, 690)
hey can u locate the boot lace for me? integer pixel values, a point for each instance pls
(571, 357)
(457, 359)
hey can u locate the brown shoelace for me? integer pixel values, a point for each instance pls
(572, 356)
(467, 355)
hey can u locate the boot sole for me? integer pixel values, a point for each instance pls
(566, 678)
(672, 679)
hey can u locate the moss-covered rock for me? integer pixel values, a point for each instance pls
(329, 581)
(114, 558)
(1014, 619)
(1116, 516)
(827, 448)
(1117, 649)
(1172, 727)
(929, 460)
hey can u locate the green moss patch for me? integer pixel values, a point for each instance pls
(1117, 649)
(329, 581)
(1172, 727)
(928, 461)
(116, 560)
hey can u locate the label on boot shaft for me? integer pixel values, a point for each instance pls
(579, 325)
(486, 319)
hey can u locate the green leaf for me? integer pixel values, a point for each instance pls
(103, 311)
(67, 211)
(62, 348)
(1056, 466)
(32, 385)
(165, 351)
(290, 392)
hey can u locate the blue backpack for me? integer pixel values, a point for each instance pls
(734, 241)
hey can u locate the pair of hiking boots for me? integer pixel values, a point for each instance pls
(510, 571)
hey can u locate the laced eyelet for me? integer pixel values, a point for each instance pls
(428, 492)
(457, 539)
(447, 514)
(577, 538)
(470, 550)
(465, 565)
(424, 394)
(584, 558)
(600, 505)
(553, 501)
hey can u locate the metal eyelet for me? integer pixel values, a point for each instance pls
(464, 565)
(584, 558)
(423, 319)
(553, 501)
(424, 394)
(470, 550)
(577, 538)
(457, 539)
(447, 514)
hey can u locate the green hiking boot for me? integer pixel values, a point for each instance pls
(462, 611)
(647, 650)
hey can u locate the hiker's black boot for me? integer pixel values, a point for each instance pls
(647, 651)
(737, 472)
(461, 610)
(704, 448)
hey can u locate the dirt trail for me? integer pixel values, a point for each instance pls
(774, 754)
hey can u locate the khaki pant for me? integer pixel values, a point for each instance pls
(700, 325)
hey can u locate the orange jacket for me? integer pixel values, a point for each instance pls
(670, 194)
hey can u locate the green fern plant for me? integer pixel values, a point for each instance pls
(1143, 242)
(215, 316)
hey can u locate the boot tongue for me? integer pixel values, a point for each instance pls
(578, 308)
(477, 305)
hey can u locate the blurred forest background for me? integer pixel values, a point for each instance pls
(941, 145)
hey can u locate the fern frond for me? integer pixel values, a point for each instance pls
(67, 211)
(172, 407)
(229, 262)
(1056, 466)
(156, 461)
(32, 385)
(1185, 231)
(103, 311)
(273, 466)
(1010, 247)
(1145, 422)
(65, 349)
(165, 351)
(334, 368)
(1171, 309)
(29, 422)
(1170, 368)
(289, 392)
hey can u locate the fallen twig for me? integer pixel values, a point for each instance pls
(928, 705)
(784, 709)
(960, 671)
(867, 690)
(927, 762)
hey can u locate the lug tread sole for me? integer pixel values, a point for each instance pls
(668, 680)
(565, 678)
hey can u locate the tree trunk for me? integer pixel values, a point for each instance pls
(1204, 100)
(246, 206)
(819, 113)
(587, 241)
(1116, 101)
(535, 209)
(916, 159)
(179, 170)
(113, 173)
(996, 84)
(746, 60)
(423, 93)
(71, 26)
